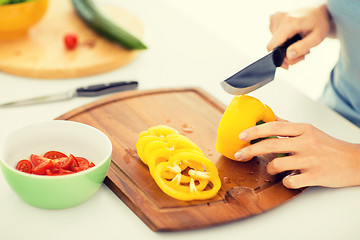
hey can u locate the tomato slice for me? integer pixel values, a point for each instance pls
(41, 168)
(64, 162)
(58, 172)
(50, 172)
(24, 166)
(54, 155)
(65, 171)
(83, 163)
(37, 160)
(53, 163)
(74, 162)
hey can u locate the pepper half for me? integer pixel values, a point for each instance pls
(243, 112)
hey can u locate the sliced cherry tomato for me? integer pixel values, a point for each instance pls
(74, 162)
(58, 172)
(83, 163)
(53, 163)
(65, 171)
(41, 168)
(64, 163)
(24, 166)
(52, 171)
(37, 160)
(54, 155)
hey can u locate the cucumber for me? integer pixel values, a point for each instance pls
(5, 2)
(97, 21)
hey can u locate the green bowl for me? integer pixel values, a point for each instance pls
(56, 192)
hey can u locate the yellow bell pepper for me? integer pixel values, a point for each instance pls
(243, 112)
(155, 133)
(142, 143)
(177, 164)
(161, 137)
(164, 154)
(201, 178)
(159, 131)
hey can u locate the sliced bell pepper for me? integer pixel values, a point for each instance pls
(142, 142)
(161, 137)
(188, 176)
(243, 112)
(160, 131)
(177, 164)
(164, 154)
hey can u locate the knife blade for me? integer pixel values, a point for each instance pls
(88, 91)
(258, 73)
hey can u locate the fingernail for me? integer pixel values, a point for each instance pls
(237, 155)
(291, 54)
(243, 135)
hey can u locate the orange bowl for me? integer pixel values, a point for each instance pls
(16, 19)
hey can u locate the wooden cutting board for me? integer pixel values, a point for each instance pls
(247, 189)
(41, 53)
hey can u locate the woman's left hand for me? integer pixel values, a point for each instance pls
(321, 159)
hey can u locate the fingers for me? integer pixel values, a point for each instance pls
(276, 128)
(292, 140)
(282, 164)
(280, 37)
(283, 26)
(288, 144)
(267, 146)
(287, 62)
(297, 51)
(295, 181)
(275, 20)
(311, 40)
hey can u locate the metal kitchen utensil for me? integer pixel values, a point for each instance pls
(89, 91)
(258, 73)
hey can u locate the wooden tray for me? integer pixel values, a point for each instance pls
(247, 189)
(41, 53)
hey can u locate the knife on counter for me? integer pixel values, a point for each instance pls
(258, 73)
(89, 91)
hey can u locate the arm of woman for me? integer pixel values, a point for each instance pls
(321, 159)
(313, 24)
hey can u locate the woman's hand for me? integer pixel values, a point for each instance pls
(321, 159)
(313, 24)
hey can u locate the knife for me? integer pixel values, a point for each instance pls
(258, 73)
(89, 91)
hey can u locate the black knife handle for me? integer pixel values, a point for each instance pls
(101, 89)
(279, 52)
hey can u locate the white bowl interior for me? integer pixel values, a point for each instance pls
(69, 137)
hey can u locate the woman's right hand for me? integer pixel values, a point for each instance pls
(313, 24)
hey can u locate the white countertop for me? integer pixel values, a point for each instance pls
(185, 51)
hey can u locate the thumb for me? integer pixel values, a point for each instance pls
(303, 46)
